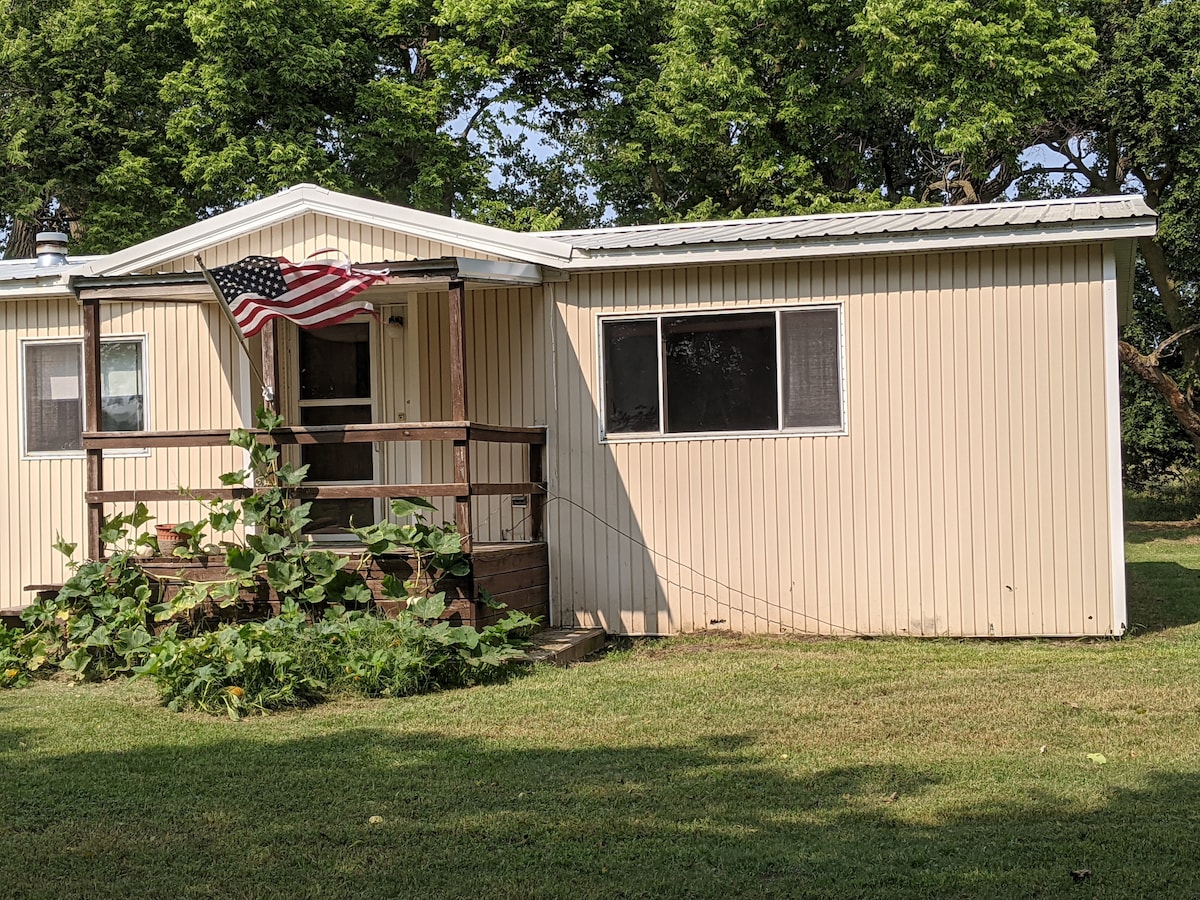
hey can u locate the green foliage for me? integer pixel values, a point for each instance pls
(276, 551)
(15, 662)
(96, 626)
(99, 624)
(977, 78)
(131, 118)
(1157, 457)
(234, 669)
(288, 661)
(436, 550)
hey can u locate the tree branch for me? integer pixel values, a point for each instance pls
(1147, 369)
(487, 101)
(1157, 353)
(1063, 148)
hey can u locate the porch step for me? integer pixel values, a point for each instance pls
(10, 617)
(562, 646)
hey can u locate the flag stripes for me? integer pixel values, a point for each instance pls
(311, 294)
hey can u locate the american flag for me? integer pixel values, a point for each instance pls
(311, 294)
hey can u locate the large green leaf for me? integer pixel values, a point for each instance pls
(430, 607)
(407, 506)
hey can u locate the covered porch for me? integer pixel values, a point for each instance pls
(459, 446)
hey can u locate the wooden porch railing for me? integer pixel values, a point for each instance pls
(462, 489)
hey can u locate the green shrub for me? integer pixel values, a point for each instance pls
(288, 661)
(96, 626)
(14, 660)
(235, 669)
(99, 624)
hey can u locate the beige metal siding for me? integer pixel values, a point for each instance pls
(970, 496)
(297, 238)
(507, 377)
(195, 375)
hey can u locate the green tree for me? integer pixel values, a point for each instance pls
(126, 118)
(1119, 112)
(80, 125)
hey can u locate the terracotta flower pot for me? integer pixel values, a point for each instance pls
(168, 539)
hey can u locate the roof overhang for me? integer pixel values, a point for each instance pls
(410, 275)
(865, 245)
(307, 198)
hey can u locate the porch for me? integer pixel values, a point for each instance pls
(514, 572)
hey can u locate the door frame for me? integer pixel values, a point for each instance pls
(295, 405)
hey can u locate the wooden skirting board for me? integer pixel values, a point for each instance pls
(515, 574)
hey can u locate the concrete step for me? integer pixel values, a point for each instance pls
(563, 646)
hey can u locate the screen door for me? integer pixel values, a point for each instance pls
(336, 387)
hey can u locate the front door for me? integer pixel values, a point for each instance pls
(337, 387)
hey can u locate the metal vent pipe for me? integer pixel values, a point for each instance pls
(51, 249)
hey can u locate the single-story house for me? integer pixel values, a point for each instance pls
(900, 422)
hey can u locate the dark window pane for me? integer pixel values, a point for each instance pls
(122, 407)
(337, 462)
(812, 390)
(335, 362)
(720, 373)
(335, 516)
(53, 398)
(630, 376)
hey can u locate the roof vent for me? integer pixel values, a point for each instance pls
(51, 249)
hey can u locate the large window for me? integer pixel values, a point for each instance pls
(747, 372)
(53, 380)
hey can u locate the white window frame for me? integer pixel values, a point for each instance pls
(662, 434)
(142, 338)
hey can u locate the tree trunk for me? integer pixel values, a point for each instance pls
(22, 240)
(1148, 369)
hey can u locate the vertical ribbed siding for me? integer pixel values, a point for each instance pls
(970, 495)
(40, 496)
(194, 378)
(298, 238)
(507, 371)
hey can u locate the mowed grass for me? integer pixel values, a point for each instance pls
(698, 767)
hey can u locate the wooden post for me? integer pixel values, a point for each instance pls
(270, 365)
(537, 502)
(458, 405)
(91, 421)
(462, 505)
(458, 351)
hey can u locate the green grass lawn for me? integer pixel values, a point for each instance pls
(698, 767)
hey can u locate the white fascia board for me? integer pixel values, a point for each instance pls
(859, 245)
(24, 290)
(498, 272)
(40, 287)
(443, 229)
(308, 198)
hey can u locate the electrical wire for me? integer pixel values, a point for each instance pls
(557, 498)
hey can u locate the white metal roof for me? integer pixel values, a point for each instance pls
(22, 269)
(24, 279)
(895, 230)
(308, 198)
(1121, 217)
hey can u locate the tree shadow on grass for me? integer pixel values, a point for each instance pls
(469, 818)
(1145, 532)
(1161, 595)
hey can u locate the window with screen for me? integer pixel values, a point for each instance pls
(54, 396)
(747, 372)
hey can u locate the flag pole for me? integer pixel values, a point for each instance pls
(237, 329)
